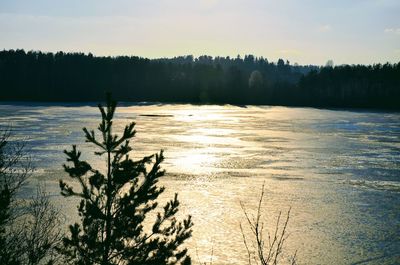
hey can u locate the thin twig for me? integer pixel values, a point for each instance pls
(275, 244)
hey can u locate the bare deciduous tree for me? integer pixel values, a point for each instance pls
(41, 234)
(262, 250)
(15, 168)
(29, 230)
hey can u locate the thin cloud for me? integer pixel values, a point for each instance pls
(324, 28)
(392, 31)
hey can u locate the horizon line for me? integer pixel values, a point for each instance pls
(213, 57)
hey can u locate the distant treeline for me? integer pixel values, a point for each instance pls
(37, 76)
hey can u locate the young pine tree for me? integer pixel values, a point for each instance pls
(115, 203)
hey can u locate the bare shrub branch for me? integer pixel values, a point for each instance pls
(262, 253)
(29, 229)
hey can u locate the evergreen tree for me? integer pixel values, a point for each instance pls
(114, 205)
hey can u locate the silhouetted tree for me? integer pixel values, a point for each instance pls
(41, 234)
(329, 63)
(29, 230)
(62, 76)
(353, 86)
(115, 205)
(38, 76)
(14, 170)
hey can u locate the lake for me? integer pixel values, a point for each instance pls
(338, 170)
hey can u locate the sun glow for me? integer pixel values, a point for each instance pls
(206, 140)
(197, 160)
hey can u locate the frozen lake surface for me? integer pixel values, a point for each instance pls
(338, 170)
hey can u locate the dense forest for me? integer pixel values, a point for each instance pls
(38, 76)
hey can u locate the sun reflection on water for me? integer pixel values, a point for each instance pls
(329, 166)
(196, 160)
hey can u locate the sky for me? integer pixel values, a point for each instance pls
(301, 31)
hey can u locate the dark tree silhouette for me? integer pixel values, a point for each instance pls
(14, 170)
(115, 205)
(29, 230)
(37, 76)
(83, 77)
(353, 86)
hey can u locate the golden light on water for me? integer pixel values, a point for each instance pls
(207, 140)
(219, 156)
(196, 160)
(206, 113)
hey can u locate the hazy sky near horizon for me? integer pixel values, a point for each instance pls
(306, 32)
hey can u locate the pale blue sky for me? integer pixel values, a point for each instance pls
(307, 31)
